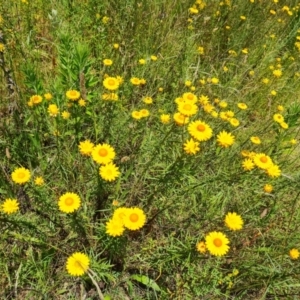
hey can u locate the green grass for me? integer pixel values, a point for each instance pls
(56, 46)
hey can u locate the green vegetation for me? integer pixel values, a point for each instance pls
(185, 110)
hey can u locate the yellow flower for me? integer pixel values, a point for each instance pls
(214, 80)
(69, 202)
(277, 73)
(53, 110)
(10, 206)
(180, 119)
(273, 93)
(105, 20)
(111, 83)
(284, 125)
(265, 80)
(278, 118)
(187, 109)
(136, 114)
(243, 18)
(189, 98)
(203, 100)
(148, 100)
(165, 118)
(116, 46)
(268, 188)
(72, 95)
(293, 141)
(248, 164)
(234, 221)
(234, 122)
(225, 139)
(201, 50)
(245, 51)
(77, 264)
(223, 104)
(294, 253)
(191, 147)
(273, 171)
(86, 147)
(242, 105)
(39, 180)
(110, 96)
(65, 115)
(201, 247)
(263, 161)
(2, 47)
(107, 62)
(153, 57)
(114, 227)
(120, 213)
(142, 81)
(142, 61)
(109, 172)
(280, 108)
(217, 243)
(36, 99)
(20, 175)
(48, 96)
(160, 89)
(200, 130)
(134, 218)
(135, 81)
(255, 140)
(103, 154)
(144, 113)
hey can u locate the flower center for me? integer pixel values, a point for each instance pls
(263, 159)
(111, 82)
(134, 217)
(21, 175)
(77, 265)
(102, 152)
(69, 201)
(109, 172)
(217, 242)
(190, 97)
(201, 127)
(187, 107)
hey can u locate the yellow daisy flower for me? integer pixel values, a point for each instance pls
(103, 154)
(86, 147)
(255, 140)
(200, 130)
(225, 139)
(134, 219)
(114, 227)
(10, 206)
(39, 180)
(180, 119)
(273, 171)
(187, 109)
(77, 264)
(191, 147)
(111, 83)
(263, 161)
(72, 95)
(109, 172)
(201, 247)
(248, 164)
(69, 202)
(234, 221)
(294, 253)
(217, 243)
(165, 118)
(20, 175)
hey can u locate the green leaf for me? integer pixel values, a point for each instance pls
(146, 281)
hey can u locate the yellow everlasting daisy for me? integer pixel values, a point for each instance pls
(248, 164)
(20, 175)
(114, 227)
(144, 112)
(10, 206)
(120, 214)
(217, 243)
(234, 221)
(35, 99)
(77, 264)
(103, 154)
(273, 171)
(72, 95)
(189, 97)
(191, 147)
(86, 147)
(39, 180)
(255, 140)
(53, 110)
(263, 161)
(109, 172)
(134, 219)
(111, 83)
(268, 188)
(136, 114)
(69, 202)
(107, 62)
(294, 253)
(225, 139)
(200, 130)
(180, 119)
(201, 247)
(242, 105)
(165, 118)
(278, 118)
(187, 109)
